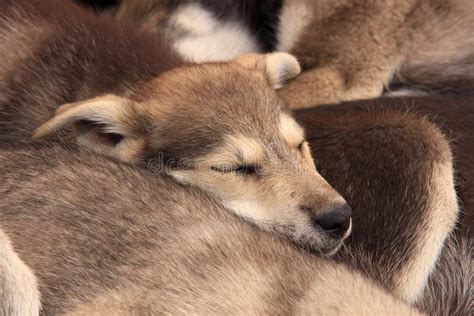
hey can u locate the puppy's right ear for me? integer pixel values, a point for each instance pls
(107, 124)
(277, 68)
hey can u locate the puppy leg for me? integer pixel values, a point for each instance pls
(331, 85)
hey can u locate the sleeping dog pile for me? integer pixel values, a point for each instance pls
(136, 181)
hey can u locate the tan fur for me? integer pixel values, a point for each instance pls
(353, 49)
(331, 303)
(282, 193)
(19, 293)
(443, 216)
(277, 67)
(208, 261)
(356, 49)
(169, 115)
(270, 210)
(102, 271)
(178, 251)
(449, 289)
(291, 131)
(294, 19)
(237, 148)
(358, 297)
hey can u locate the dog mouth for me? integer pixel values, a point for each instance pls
(332, 249)
(327, 248)
(335, 244)
(317, 242)
(307, 237)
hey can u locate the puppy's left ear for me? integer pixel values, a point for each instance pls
(278, 68)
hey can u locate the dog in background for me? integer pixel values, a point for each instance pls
(349, 49)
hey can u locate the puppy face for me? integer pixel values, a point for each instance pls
(220, 127)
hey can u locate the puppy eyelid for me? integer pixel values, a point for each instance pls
(240, 169)
(246, 169)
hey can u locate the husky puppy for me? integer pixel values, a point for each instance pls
(98, 233)
(349, 49)
(219, 126)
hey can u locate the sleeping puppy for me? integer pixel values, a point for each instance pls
(106, 238)
(98, 233)
(349, 49)
(124, 94)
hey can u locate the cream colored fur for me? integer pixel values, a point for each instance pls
(19, 294)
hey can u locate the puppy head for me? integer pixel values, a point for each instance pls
(220, 127)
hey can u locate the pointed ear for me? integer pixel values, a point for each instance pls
(278, 68)
(106, 124)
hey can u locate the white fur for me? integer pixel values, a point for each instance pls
(208, 39)
(294, 18)
(250, 210)
(281, 67)
(19, 295)
(405, 93)
(292, 132)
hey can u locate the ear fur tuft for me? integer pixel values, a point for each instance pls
(278, 68)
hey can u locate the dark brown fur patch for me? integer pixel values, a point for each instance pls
(386, 163)
(454, 115)
(74, 62)
(378, 154)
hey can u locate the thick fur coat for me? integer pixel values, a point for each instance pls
(164, 248)
(349, 49)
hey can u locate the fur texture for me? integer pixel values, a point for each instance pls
(258, 18)
(196, 247)
(449, 290)
(19, 292)
(83, 290)
(355, 49)
(361, 156)
(453, 115)
(215, 126)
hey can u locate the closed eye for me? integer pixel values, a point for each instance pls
(239, 169)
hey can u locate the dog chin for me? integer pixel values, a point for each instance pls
(331, 251)
(333, 246)
(315, 243)
(311, 241)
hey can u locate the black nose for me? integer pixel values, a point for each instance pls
(335, 222)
